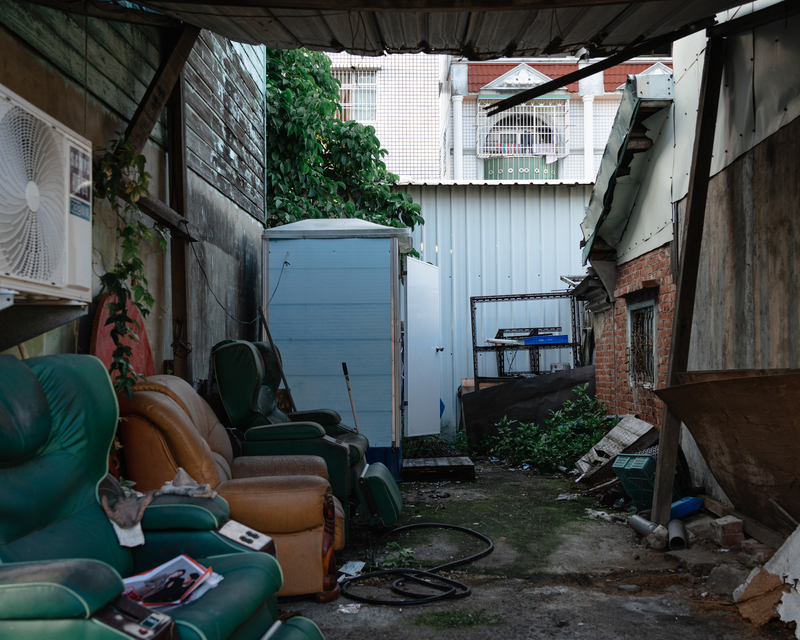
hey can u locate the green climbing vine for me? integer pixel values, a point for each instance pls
(122, 171)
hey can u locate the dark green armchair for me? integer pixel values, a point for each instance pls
(248, 377)
(61, 566)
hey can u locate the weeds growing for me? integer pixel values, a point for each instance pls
(561, 440)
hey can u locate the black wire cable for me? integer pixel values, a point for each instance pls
(450, 589)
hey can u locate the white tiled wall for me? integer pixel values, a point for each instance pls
(408, 120)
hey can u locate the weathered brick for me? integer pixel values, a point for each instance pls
(728, 531)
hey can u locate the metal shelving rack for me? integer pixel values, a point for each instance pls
(500, 350)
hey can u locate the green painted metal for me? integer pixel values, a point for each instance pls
(519, 168)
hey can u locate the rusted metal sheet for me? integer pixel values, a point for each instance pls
(745, 424)
(476, 30)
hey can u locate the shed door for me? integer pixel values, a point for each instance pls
(421, 342)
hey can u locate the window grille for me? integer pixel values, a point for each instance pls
(537, 128)
(357, 95)
(642, 360)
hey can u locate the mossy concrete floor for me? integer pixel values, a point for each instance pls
(555, 573)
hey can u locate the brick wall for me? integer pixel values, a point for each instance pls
(645, 277)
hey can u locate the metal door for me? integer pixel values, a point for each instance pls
(423, 349)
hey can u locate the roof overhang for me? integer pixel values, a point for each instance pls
(475, 29)
(625, 158)
(339, 228)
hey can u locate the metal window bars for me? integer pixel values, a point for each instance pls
(357, 95)
(642, 359)
(535, 128)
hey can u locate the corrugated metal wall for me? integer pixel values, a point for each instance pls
(496, 239)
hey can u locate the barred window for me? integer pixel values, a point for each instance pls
(357, 95)
(536, 128)
(641, 320)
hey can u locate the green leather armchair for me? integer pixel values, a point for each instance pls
(248, 377)
(61, 566)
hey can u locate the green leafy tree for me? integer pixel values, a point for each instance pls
(317, 165)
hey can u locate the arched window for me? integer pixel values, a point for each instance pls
(539, 128)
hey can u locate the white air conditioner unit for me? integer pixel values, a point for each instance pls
(45, 206)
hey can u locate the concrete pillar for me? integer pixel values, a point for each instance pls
(458, 138)
(588, 138)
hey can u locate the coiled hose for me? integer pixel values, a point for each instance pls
(450, 589)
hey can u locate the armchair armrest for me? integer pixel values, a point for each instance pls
(325, 417)
(285, 431)
(56, 589)
(169, 512)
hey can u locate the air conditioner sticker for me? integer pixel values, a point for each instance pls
(80, 183)
(80, 209)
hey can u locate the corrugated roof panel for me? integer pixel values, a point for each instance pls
(362, 30)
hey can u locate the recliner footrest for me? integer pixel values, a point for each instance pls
(294, 629)
(380, 494)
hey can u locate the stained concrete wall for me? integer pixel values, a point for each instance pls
(90, 75)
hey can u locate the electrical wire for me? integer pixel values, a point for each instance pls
(450, 589)
(214, 295)
(280, 275)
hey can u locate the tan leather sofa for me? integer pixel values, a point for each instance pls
(167, 425)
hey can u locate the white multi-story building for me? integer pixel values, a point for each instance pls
(429, 113)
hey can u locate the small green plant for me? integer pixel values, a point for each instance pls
(403, 559)
(122, 169)
(561, 440)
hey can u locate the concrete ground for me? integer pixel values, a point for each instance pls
(556, 572)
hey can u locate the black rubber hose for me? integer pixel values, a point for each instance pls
(450, 589)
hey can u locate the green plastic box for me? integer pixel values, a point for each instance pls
(638, 475)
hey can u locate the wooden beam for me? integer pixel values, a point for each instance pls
(111, 11)
(178, 199)
(732, 27)
(683, 313)
(410, 5)
(165, 216)
(756, 19)
(155, 98)
(597, 67)
(752, 527)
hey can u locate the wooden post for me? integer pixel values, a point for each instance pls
(687, 276)
(178, 194)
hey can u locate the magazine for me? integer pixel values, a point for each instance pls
(171, 583)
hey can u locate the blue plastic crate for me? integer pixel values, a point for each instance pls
(557, 339)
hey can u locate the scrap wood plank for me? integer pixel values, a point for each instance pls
(751, 526)
(427, 469)
(603, 486)
(629, 435)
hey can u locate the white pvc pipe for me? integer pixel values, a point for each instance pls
(458, 138)
(588, 138)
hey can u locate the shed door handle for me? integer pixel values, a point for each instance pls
(438, 349)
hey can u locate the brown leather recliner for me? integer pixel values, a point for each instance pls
(167, 425)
